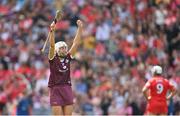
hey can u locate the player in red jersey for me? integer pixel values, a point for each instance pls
(158, 88)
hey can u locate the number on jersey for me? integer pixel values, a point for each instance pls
(160, 88)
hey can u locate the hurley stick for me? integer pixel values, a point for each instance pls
(57, 18)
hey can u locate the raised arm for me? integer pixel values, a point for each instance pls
(77, 38)
(52, 42)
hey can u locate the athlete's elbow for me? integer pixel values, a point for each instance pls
(175, 91)
(143, 90)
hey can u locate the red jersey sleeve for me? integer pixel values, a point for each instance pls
(170, 85)
(148, 84)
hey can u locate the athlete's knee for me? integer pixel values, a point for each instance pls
(57, 110)
(68, 110)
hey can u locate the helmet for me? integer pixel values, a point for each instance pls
(156, 70)
(60, 44)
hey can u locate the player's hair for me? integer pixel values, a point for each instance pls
(156, 74)
(60, 44)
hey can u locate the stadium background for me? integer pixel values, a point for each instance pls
(122, 39)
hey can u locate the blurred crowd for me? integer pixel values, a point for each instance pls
(121, 41)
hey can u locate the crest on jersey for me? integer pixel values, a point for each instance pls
(64, 67)
(67, 61)
(62, 60)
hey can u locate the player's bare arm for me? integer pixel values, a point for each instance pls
(52, 42)
(145, 91)
(173, 91)
(77, 38)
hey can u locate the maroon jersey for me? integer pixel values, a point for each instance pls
(60, 71)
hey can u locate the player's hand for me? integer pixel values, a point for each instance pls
(168, 98)
(52, 26)
(149, 98)
(79, 23)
